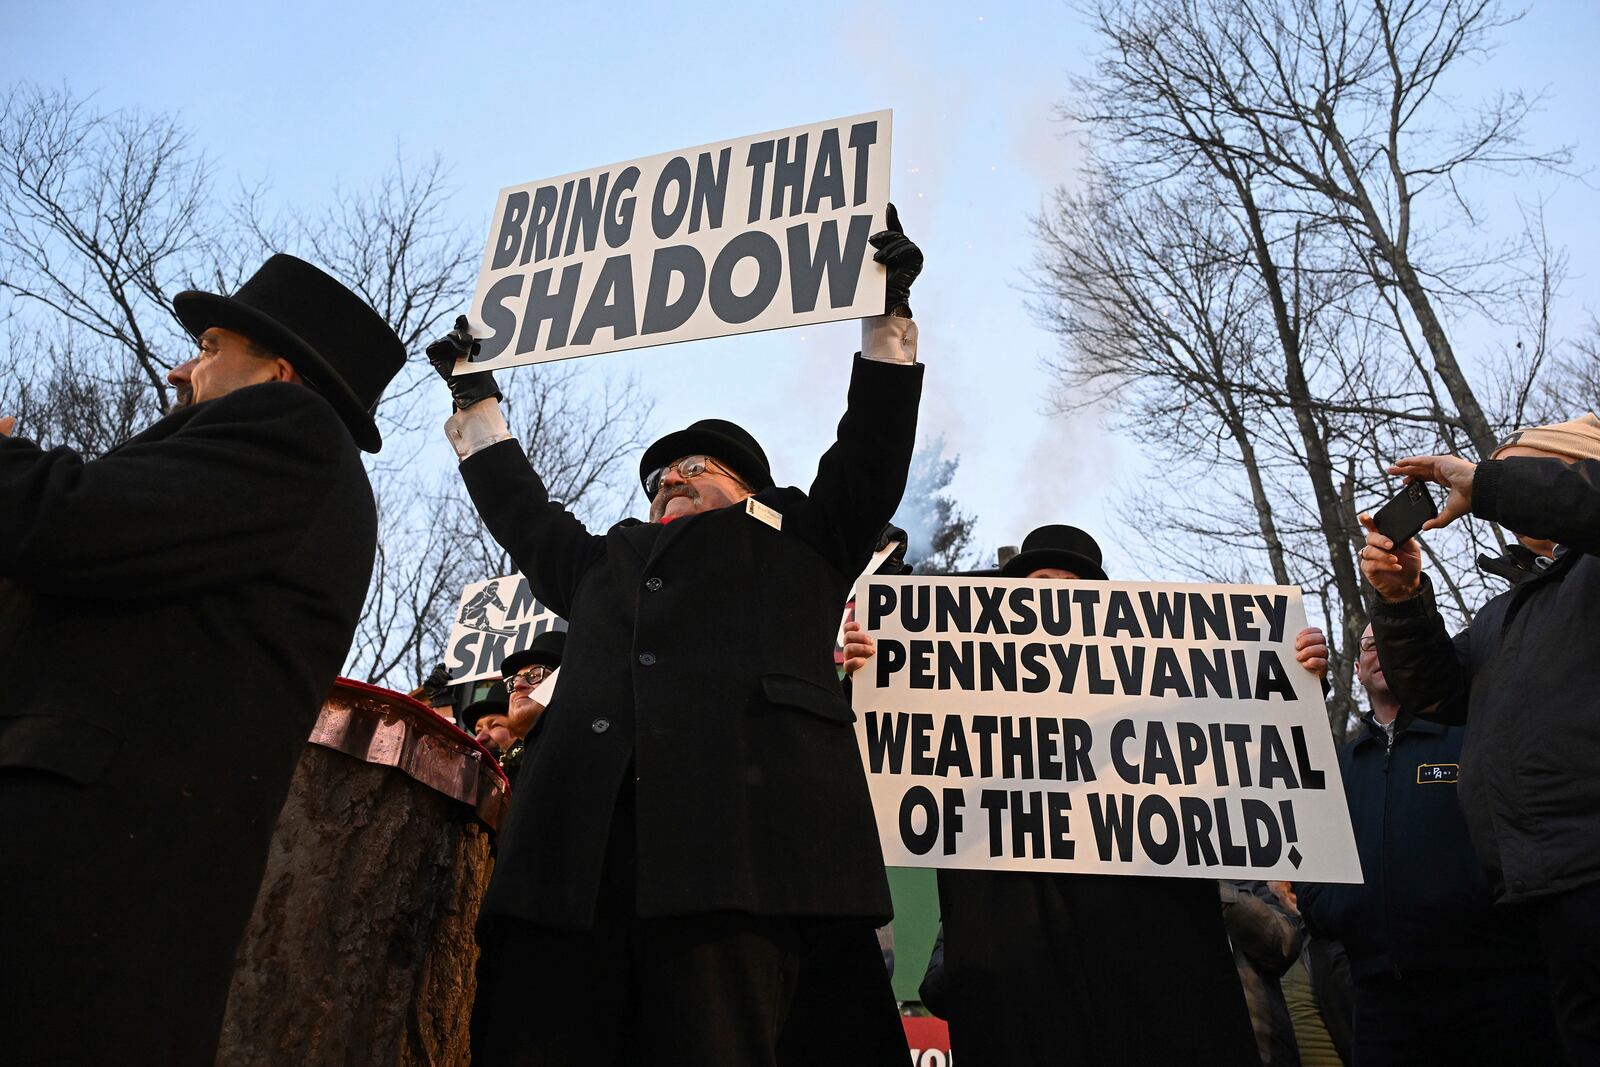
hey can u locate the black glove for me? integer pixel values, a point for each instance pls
(465, 389)
(437, 681)
(904, 261)
(896, 563)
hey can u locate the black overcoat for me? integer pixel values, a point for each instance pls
(180, 608)
(700, 660)
(1103, 970)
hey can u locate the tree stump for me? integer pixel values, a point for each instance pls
(360, 950)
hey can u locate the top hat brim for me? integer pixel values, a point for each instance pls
(200, 311)
(469, 715)
(1025, 563)
(749, 466)
(528, 657)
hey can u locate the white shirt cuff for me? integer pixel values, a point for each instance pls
(889, 339)
(476, 428)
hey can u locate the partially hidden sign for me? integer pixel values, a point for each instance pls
(1098, 727)
(494, 619)
(750, 234)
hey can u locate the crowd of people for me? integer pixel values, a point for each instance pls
(690, 870)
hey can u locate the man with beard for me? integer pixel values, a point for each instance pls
(694, 819)
(191, 596)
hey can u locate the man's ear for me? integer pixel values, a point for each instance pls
(283, 371)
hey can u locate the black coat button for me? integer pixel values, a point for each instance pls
(600, 726)
(647, 658)
(653, 584)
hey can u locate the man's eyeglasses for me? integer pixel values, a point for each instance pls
(687, 467)
(528, 676)
(1369, 644)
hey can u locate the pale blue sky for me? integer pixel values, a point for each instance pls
(308, 95)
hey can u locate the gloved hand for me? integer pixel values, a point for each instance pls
(904, 261)
(465, 389)
(896, 563)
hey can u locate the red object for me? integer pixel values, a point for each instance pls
(390, 729)
(430, 720)
(929, 1039)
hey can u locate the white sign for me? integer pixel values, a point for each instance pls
(873, 564)
(751, 234)
(1098, 727)
(495, 618)
(545, 691)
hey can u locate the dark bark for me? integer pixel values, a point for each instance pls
(361, 950)
(1332, 511)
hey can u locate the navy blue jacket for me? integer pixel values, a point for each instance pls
(1425, 903)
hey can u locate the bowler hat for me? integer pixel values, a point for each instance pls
(724, 441)
(469, 715)
(545, 651)
(1066, 547)
(341, 347)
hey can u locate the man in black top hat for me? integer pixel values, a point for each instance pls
(694, 819)
(486, 721)
(502, 723)
(212, 567)
(523, 672)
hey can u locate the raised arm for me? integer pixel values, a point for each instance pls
(861, 478)
(1545, 499)
(549, 544)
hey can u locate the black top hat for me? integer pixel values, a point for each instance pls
(724, 441)
(1066, 547)
(545, 651)
(341, 347)
(469, 715)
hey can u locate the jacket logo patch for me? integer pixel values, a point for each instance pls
(1430, 773)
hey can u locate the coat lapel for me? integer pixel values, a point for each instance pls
(667, 535)
(639, 537)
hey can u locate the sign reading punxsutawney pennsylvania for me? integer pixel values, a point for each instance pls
(751, 234)
(494, 619)
(1098, 727)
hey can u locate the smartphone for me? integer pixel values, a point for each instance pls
(1402, 517)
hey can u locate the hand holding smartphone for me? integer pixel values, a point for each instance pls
(1402, 517)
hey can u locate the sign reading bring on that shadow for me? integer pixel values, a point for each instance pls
(750, 234)
(1098, 727)
(494, 619)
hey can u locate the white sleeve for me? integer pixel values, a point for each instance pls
(889, 339)
(476, 428)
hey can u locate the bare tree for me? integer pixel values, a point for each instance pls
(1573, 387)
(105, 213)
(1265, 266)
(397, 246)
(1340, 106)
(1172, 306)
(61, 397)
(102, 214)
